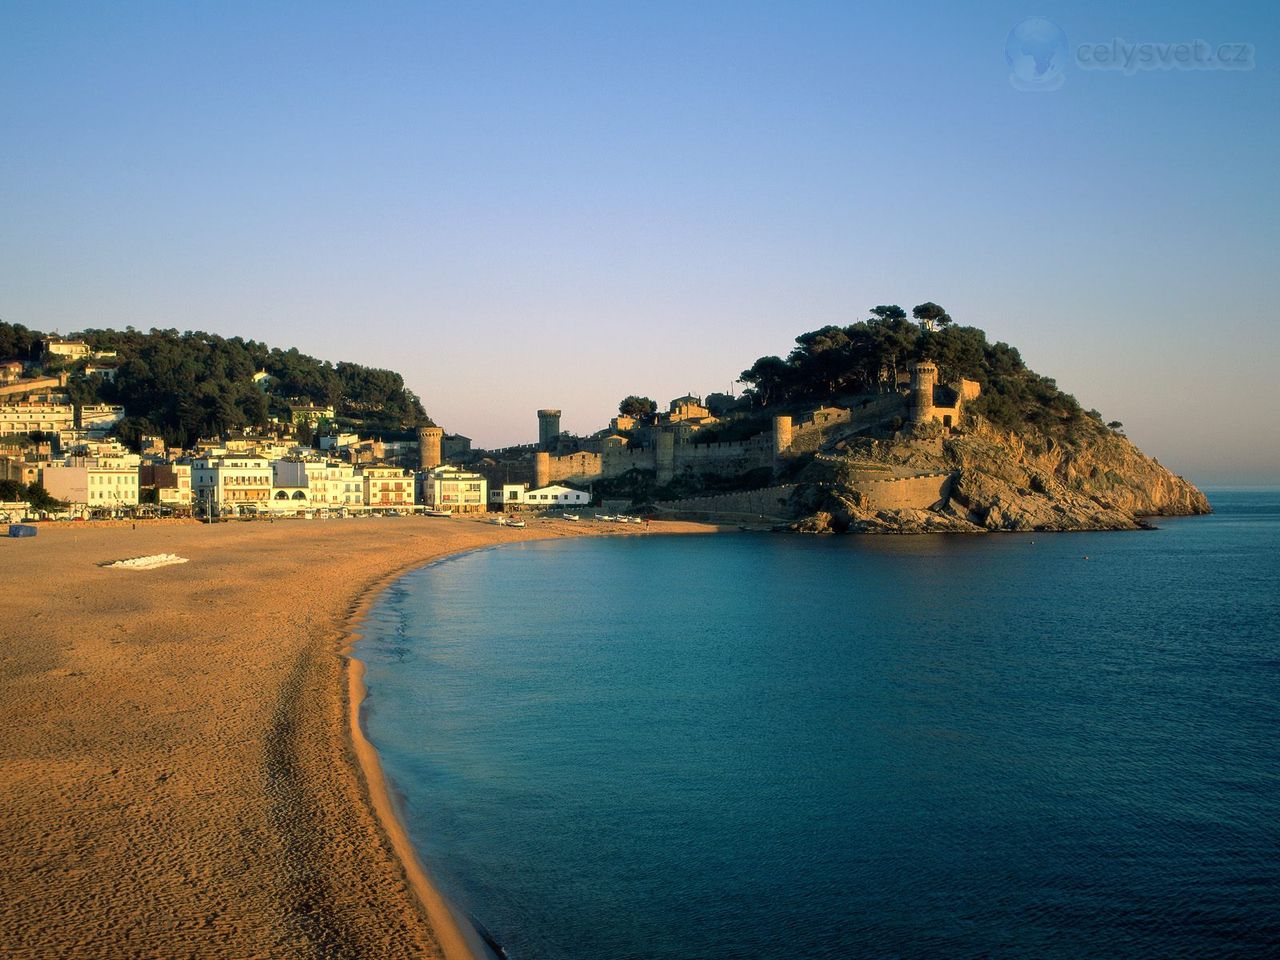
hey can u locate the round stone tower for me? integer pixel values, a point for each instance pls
(430, 440)
(664, 456)
(781, 438)
(541, 470)
(548, 428)
(924, 376)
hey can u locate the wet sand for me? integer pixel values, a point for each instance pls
(180, 772)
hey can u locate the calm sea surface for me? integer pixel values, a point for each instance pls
(1062, 745)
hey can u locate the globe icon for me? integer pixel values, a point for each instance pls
(1036, 51)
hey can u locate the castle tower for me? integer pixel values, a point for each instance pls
(430, 440)
(541, 470)
(781, 439)
(924, 376)
(664, 459)
(548, 428)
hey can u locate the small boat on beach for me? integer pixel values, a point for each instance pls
(572, 517)
(439, 513)
(514, 522)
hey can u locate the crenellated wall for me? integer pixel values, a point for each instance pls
(905, 493)
(583, 466)
(773, 503)
(667, 458)
(730, 457)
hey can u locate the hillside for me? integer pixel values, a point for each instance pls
(999, 481)
(1023, 455)
(184, 386)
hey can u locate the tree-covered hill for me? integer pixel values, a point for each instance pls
(1026, 456)
(187, 385)
(867, 356)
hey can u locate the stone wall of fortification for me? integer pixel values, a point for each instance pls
(772, 503)
(617, 460)
(728, 458)
(582, 466)
(808, 434)
(905, 493)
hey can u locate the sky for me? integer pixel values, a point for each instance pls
(558, 204)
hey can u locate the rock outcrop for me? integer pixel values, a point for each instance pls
(1000, 481)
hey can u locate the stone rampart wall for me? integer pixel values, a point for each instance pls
(575, 466)
(905, 493)
(771, 502)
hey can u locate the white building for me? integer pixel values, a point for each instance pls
(336, 441)
(107, 484)
(290, 491)
(68, 349)
(544, 497)
(456, 489)
(27, 417)
(511, 495)
(234, 483)
(317, 485)
(97, 419)
(107, 371)
(339, 486)
(389, 488)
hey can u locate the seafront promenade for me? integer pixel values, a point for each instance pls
(177, 768)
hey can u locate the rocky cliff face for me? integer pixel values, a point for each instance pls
(1000, 481)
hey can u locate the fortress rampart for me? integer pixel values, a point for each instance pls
(905, 493)
(772, 503)
(670, 452)
(666, 457)
(582, 466)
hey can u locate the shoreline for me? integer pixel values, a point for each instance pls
(458, 938)
(458, 934)
(182, 763)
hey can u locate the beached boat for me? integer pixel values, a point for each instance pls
(515, 522)
(572, 517)
(439, 513)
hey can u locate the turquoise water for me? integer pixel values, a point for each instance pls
(767, 746)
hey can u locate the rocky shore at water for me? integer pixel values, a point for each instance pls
(999, 481)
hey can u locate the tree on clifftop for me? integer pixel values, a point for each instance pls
(638, 407)
(931, 316)
(889, 313)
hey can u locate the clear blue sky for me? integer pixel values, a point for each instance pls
(556, 204)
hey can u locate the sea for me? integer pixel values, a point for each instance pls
(770, 746)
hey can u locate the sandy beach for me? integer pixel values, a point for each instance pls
(180, 771)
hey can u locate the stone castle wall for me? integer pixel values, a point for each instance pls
(773, 503)
(808, 434)
(905, 493)
(617, 460)
(583, 466)
(729, 458)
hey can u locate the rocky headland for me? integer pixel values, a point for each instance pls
(989, 479)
